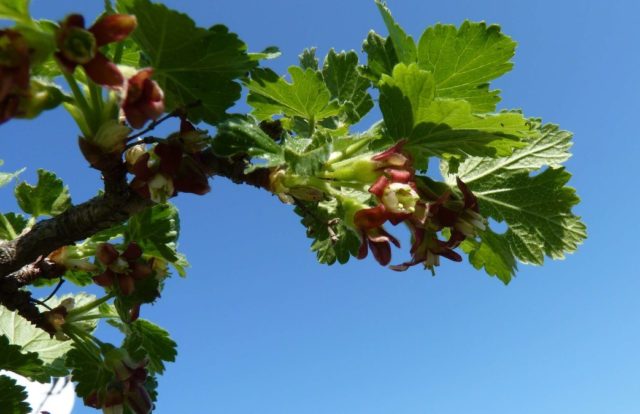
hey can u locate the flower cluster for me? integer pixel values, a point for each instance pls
(127, 387)
(171, 166)
(14, 73)
(121, 269)
(401, 197)
(78, 46)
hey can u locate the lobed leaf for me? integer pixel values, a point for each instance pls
(190, 63)
(463, 60)
(13, 397)
(49, 197)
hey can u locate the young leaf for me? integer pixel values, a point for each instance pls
(381, 56)
(156, 230)
(493, 254)
(464, 60)
(306, 96)
(47, 198)
(340, 73)
(145, 339)
(190, 63)
(13, 397)
(308, 59)
(403, 44)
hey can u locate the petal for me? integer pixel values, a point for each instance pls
(470, 200)
(396, 149)
(399, 176)
(370, 218)
(378, 187)
(170, 157)
(103, 72)
(381, 251)
(363, 250)
(113, 28)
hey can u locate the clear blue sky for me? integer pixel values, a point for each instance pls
(262, 328)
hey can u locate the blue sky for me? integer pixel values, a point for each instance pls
(262, 328)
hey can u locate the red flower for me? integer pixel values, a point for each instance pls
(144, 99)
(427, 249)
(373, 236)
(14, 73)
(77, 46)
(121, 268)
(175, 166)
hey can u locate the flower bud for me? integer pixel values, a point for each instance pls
(111, 136)
(144, 100)
(107, 254)
(133, 154)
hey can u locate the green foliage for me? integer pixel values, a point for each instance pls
(190, 63)
(13, 397)
(536, 208)
(342, 77)
(17, 10)
(11, 225)
(147, 340)
(156, 230)
(49, 197)
(306, 96)
(88, 371)
(463, 60)
(241, 136)
(26, 364)
(403, 44)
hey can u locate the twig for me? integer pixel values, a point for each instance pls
(145, 140)
(55, 290)
(176, 112)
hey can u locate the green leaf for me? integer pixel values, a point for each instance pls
(87, 371)
(449, 127)
(17, 10)
(332, 239)
(403, 44)
(305, 156)
(404, 97)
(270, 52)
(13, 397)
(464, 60)
(493, 254)
(549, 147)
(6, 178)
(536, 208)
(21, 332)
(26, 364)
(145, 339)
(191, 64)
(156, 229)
(308, 59)
(11, 225)
(306, 96)
(48, 198)
(341, 75)
(240, 136)
(381, 56)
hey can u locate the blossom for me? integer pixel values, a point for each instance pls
(144, 100)
(373, 235)
(14, 73)
(80, 46)
(427, 249)
(173, 166)
(121, 268)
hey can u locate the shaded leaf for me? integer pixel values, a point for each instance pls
(147, 340)
(13, 397)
